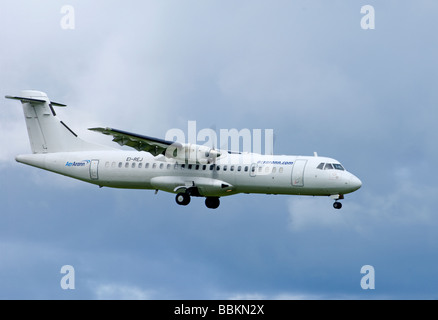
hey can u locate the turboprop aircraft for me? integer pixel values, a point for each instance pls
(187, 170)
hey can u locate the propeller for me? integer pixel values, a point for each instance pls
(213, 153)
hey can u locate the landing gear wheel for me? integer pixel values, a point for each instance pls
(182, 198)
(212, 202)
(337, 205)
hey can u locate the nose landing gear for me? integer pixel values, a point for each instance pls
(336, 197)
(337, 205)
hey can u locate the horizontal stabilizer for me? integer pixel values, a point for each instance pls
(35, 101)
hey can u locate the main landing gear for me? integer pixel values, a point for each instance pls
(183, 199)
(212, 202)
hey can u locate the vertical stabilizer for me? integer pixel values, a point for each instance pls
(47, 133)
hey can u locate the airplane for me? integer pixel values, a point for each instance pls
(187, 170)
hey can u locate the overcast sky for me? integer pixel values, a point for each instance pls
(305, 69)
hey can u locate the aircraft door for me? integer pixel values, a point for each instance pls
(253, 170)
(298, 173)
(94, 174)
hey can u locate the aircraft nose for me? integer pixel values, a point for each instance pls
(355, 182)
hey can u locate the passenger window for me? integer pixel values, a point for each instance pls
(175, 166)
(204, 167)
(113, 165)
(147, 165)
(168, 166)
(189, 167)
(218, 168)
(328, 166)
(133, 165)
(197, 167)
(320, 166)
(239, 168)
(274, 169)
(267, 169)
(183, 166)
(161, 165)
(260, 169)
(212, 167)
(107, 164)
(140, 165)
(246, 168)
(154, 166)
(225, 168)
(120, 164)
(280, 170)
(232, 168)
(126, 164)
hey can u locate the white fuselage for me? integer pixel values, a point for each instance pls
(185, 169)
(230, 174)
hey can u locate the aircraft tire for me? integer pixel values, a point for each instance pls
(337, 205)
(212, 202)
(182, 198)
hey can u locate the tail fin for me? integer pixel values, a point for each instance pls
(47, 133)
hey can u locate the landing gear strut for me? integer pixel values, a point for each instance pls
(337, 205)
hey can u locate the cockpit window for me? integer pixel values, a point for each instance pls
(328, 166)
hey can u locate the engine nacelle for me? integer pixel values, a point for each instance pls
(192, 153)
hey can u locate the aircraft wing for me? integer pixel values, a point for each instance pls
(152, 145)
